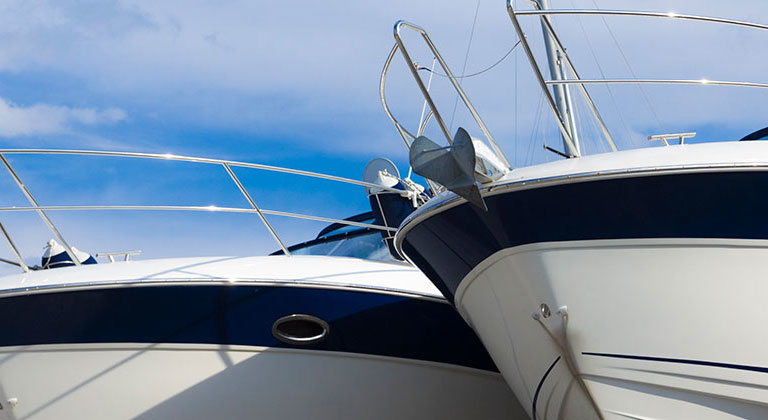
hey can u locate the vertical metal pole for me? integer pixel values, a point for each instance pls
(584, 92)
(42, 214)
(574, 151)
(255, 207)
(14, 249)
(562, 92)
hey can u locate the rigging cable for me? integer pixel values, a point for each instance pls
(631, 71)
(466, 58)
(465, 76)
(423, 111)
(534, 131)
(516, 107)
(602, 74)
(580, 126)
(429, 85)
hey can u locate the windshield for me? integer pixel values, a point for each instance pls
(338, 228)
(761, 134)
(341, 240)
(369, 246)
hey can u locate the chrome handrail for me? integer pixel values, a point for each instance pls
(404, 133)
(213, 209)
(15, 250)
(587, 97)
(574, 151)
(226, 164)
(180, 158)
(111, 255)
(248, 197)
(579, 82)
(657, 82)
(399, 25)
(41, 213)
(642, 13)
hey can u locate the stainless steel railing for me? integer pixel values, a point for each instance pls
(580, 83)
(657, 82)
(642, 13)
(227, 165)
(572, 78)
(434, 112)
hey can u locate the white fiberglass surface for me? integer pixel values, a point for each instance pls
(310, 270)
(724, 155)
(677, 156)
(194, 381)
(682, 357)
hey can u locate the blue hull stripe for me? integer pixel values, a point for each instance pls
(447, 245)
(538, 388)
(360, 322)
(682, 361)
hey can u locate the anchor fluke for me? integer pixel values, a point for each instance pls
(452, 166)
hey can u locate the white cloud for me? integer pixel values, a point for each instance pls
(18, 120)
(296, 70)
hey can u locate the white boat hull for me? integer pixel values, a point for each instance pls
(208, 338)
(127, 381)
(654, 328)
(645, 300)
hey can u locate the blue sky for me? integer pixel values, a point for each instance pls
(296, 84)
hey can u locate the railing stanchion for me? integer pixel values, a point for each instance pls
(582, 89)
(42, 214)
(573, 151)
(255, 207)
(15, 250)
(41, 210)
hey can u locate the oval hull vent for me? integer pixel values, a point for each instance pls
(300, 329)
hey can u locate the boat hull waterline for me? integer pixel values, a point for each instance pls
(644, 303)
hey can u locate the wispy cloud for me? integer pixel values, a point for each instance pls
(16, 120)
(297, 85)
(271, 67)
